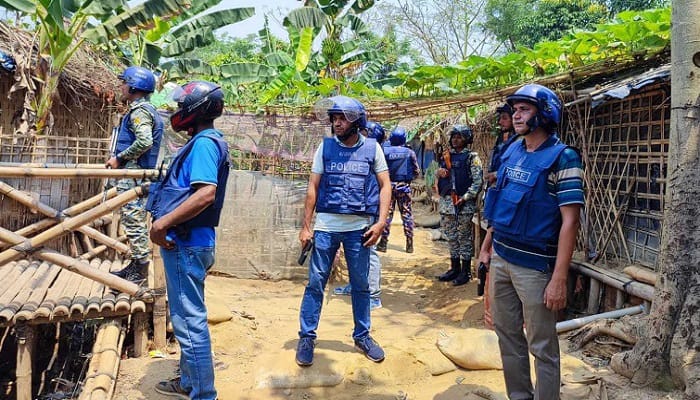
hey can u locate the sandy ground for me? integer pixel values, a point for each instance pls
(255, 349)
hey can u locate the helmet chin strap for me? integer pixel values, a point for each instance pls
(533, 123)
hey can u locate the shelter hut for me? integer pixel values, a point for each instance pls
(56, 219)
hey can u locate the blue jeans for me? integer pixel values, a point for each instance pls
(375, 273)
(185, 270)
(326, 245)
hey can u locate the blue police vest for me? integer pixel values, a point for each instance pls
(348, 184)
(126, 137)
(398, 159)
(168, 195)
(462, 167)
(519, 207)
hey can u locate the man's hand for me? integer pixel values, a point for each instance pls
(491, 178)
(158, 235)
(112, 163)
(305, 235)
(371, 237)
(485, 257)
(443, 173)
(555, 294)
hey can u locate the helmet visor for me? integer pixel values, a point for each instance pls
(324, 108)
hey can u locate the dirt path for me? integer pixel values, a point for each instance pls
(255, 350)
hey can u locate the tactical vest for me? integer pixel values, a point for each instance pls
(462, 167)
(126, 137)
(348, 184)
(398, 159)
(168, 195)
(520, 207)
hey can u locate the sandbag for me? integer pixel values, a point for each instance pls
(471, 348)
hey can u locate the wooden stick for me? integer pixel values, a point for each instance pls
(72, 223)
(14, 172)
(140, 328)
(99, 249)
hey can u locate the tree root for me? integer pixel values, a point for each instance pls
(613, 328)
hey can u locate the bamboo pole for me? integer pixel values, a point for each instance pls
(15, 172)
(29, 201)
(95, 299)
(49, 301)
(160, 308)
(16, 303)
(79, 303)
(140, 334)
(99, 249)
(32, 304)
(638, 289)
(17, 285)
(72, 223)
(84, 269)
(26, 340)
(103, 368)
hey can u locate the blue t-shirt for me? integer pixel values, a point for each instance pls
(200, 166)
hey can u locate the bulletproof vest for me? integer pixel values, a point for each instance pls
(462, 167)
(167, 195)
(348, 184)
(398, 159)
(520, 207)
(126, 137)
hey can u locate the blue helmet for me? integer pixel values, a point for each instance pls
(464, 131)
(197, 101)
(547, 102)
(139, 78)
(398, 136)
(376, 131)
(505, 108)
(351, 108)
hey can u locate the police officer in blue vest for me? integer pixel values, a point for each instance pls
(506, 136)
(137, 147)
(186, 208)
(349, 189)
(533, 210)
(373, 130)
(403, 168)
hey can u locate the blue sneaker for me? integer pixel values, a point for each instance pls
(343, 290)
(305, 351)
(375, 302)
(370, 348)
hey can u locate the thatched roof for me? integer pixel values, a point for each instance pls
(85, 78)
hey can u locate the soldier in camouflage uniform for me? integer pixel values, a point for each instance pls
(403, 168)
(137, 147)
(464, 179)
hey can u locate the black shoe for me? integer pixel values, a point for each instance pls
(465, 274)
(134, 272)
(409, 245)
(172, 388)
(381, 246)
(452, 272)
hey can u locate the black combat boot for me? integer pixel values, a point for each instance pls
(134, 272)
(381, 246)
(465, 274)
(409, 245)
(452, 272)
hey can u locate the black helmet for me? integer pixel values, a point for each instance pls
(463, 130)
(505, 108)
(196, 101)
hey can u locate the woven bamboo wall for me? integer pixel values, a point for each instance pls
(80, 135)
(624, 147)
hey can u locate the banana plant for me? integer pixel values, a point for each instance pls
(62, 27)
(337, 58)
(178, 37)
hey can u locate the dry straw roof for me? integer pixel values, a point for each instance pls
(85, 78)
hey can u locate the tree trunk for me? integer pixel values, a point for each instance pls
(668, 353)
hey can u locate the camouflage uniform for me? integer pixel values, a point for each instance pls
(401, 197)
(133, 213)
(459, 231)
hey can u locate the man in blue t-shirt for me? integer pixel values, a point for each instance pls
(533, 210)
(186, 208)
(349, 189)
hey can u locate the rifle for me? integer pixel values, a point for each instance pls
(453, 190)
